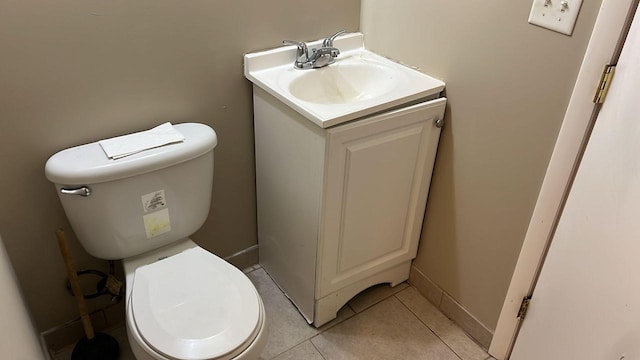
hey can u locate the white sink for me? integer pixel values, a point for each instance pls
(359, 83)
(352, 79)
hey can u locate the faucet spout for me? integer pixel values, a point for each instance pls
(317, 58)
(323, 56)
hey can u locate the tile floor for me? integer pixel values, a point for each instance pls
(380, 323)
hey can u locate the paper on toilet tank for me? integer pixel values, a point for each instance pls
(157, 223)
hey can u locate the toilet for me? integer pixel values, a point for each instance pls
(182, 302)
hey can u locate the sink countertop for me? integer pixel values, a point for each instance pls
(359, 83)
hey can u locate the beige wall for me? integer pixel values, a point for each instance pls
(508, 85)
(76, 71)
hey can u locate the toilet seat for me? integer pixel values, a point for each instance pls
(194, 305)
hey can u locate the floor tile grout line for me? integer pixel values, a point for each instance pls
(318, 350)
(253, 268)
(319, 332)
(474, 340)
(282, 352)
(394, 295)
(428, 327)
(322, 330)
(355, 313)
(309, 339)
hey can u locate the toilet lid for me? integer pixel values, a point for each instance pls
(194, 305)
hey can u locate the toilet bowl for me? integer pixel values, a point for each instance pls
(160, 293)
(182, 302)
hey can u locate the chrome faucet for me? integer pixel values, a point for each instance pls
(319, 57)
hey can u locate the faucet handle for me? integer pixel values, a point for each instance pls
(293, 42)
(302, 53)
(328, 42)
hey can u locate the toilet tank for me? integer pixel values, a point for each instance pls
(140, 202)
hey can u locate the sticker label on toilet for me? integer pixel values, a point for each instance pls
(154, 201)
(157, 223)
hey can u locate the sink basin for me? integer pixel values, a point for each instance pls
(344, 82)
(357, 84)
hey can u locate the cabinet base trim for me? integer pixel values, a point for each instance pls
(326, 309)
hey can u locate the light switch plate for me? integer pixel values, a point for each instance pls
(556, 15)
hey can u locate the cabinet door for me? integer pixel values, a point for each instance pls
(377, 179)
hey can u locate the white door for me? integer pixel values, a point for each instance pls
(586, 304)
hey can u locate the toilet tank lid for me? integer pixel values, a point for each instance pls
(88, 164)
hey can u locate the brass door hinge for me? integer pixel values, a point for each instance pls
(605, 82)
(524, 306)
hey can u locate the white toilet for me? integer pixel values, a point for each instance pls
(182, 302)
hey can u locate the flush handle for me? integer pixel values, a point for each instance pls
(82, 191)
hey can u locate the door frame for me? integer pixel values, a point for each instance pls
(607, 38)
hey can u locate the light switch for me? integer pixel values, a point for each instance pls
(556, 15)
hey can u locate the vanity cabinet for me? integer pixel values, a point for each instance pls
(340, 209)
